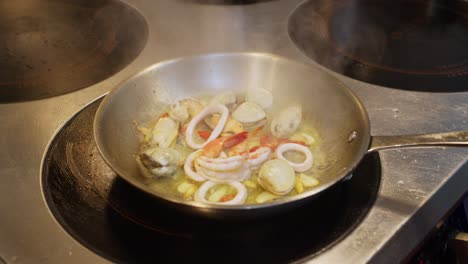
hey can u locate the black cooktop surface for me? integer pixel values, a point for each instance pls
(48, 48)
(414, 45)
(123, 224)
(227, 2)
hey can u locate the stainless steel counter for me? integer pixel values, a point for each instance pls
(419, 185)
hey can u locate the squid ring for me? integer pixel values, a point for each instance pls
(188, 168)
(298, 167)
(209, 110)
(240, 197)
(240, 174)
(256, 158)
(220, 164)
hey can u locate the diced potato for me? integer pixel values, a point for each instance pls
(250, 184)
(190, 191)
(218, 194)
(265, 197)
(184, 186)
(308, 181)
(309, 139)
(298, 186)
(253, 142)
(143, 130)
(304, 137)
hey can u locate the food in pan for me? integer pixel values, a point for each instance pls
(229, 149)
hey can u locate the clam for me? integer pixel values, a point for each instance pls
(260, 96)
(163, 133)
(286, 122)
(227, 98)
(159, 162)
(249, 113)
(179, 111)
(276, 176)
(231, 126)
(183, 109)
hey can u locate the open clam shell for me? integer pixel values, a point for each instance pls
(249, 113)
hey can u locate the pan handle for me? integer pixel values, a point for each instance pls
(458, 138)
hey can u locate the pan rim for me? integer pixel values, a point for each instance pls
(249, 207)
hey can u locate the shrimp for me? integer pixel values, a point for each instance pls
(214, 148)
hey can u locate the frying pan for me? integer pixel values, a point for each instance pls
(338, 116)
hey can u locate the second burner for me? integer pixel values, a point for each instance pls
(412, 45)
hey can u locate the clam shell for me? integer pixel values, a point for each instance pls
(260, 96)
(164, 132)
(277, 176)
(227, 98)
(286, 122)
(249, 113)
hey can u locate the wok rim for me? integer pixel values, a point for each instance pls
(363, 149)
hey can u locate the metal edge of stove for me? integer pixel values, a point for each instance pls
(56, 217)
(413, 180)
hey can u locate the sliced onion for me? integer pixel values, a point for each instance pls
(298, 167)
(207, 111)
(240, 197)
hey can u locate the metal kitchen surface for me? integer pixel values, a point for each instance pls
(418, 186)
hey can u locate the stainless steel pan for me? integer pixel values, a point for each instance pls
(339, 117)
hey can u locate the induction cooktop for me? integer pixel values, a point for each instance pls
(411, 45)
(123, 224)
(49, 48)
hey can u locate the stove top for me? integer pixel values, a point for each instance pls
(48, 48)
(412, 45)
(227, 2)
(129, 227)
(46, 145)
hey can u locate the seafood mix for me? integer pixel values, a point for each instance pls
(229, 149)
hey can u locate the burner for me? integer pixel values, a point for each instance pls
(227, 2)
(48, 48)
(123, 224)
(412, 45)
